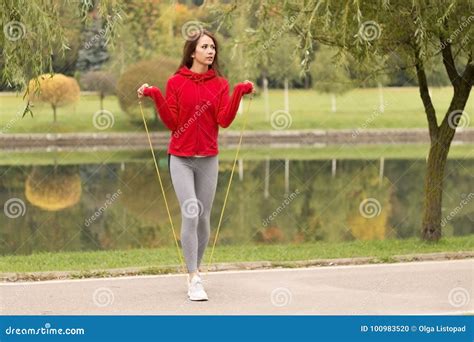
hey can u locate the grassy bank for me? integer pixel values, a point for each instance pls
(309, 110)
(101, 260)
(409, 151)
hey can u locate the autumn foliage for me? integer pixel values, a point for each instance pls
(58, 90)
(155, 72)
(52, 191)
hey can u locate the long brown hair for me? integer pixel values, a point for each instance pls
(190, 48)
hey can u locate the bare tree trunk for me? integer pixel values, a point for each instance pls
(265, 98)
(441, 137)
(431, 225)
(54, 113)
(333, 103)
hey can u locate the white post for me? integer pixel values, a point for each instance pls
(333, 168)
(287, 176)
(287, 101)
(381, 102)
(241, 169)
(266, 99)
(333, 103)
(267, 177)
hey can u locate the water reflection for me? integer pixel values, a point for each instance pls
(120, 206)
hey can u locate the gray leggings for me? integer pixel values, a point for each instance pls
(194, 181)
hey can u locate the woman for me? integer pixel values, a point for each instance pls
(197, 102)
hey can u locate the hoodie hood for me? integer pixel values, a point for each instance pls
(196, 77)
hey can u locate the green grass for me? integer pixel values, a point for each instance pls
(69, 158)
(309, 110)
(408, 151)
(167, 256)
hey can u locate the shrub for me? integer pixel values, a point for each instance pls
(57, 90)
(100, 81)
(155, 72)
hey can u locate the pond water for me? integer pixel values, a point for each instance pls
(120, 205)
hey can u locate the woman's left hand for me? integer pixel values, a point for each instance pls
(253, 87)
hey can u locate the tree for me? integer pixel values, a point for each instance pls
(284, 65)
(328, 76)
(155, 72)
(102, 82)
(93, 53)
(150, 28)
(416, 31)
(37, 36)
(234, 53)
(33, 32)
(65, 63)
(57, 90)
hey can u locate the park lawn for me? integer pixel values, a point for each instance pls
(384, 250)
(361, 152)
(70, 119)
(308, 109)
(364, 152)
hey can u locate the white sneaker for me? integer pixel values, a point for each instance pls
(196, 290)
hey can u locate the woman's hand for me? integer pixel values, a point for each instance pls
(253, 87)
(141, 89)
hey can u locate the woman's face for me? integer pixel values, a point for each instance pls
(205, 50)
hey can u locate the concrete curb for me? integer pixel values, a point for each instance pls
(227, 139)
(252, 265)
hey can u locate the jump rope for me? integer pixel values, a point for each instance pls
(226, 194)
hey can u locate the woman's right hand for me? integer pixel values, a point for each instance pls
(253, 87)
(141, 89)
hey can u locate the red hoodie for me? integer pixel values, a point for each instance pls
(194, 108)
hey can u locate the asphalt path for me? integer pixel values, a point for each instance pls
(413, 288)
